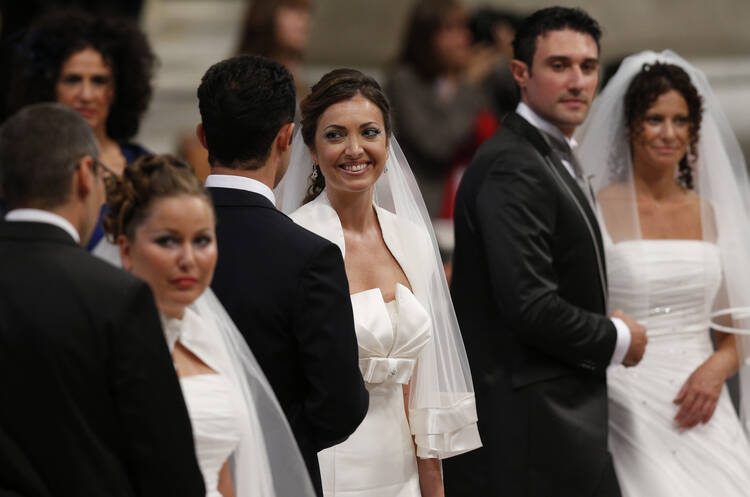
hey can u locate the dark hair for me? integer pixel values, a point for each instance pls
(148, 179)
(647, 86)
(337, 86)
(259, 35)
(55, 37)
(244, 101)
(417, 49)
(551, 19)
(40, 148)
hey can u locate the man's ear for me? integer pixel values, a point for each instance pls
(284, 137)
(84, 178)
(520, 72)
(201, 134)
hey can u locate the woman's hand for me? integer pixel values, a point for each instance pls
(700, 394)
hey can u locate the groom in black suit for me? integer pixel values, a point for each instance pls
(529, 284)
(90, 404)
(284, 287)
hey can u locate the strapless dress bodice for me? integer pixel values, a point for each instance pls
(216, 421)
(668, 285)
(389, 335)
(378, 459)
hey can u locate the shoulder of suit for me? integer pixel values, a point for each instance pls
(508, 149)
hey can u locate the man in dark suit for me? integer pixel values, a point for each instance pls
(91, 404)
(284, 287)
(529, 284)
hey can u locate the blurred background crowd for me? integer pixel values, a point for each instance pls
(444, 64)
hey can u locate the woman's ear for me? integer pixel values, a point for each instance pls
(124, 243)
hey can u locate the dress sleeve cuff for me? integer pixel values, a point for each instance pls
(442, 432)
(623, 341)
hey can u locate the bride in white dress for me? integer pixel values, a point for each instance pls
(364, 198)
(164, 223)
(670, 182)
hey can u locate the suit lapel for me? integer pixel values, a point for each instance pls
(525, 129)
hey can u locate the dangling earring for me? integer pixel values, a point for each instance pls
(314, 174)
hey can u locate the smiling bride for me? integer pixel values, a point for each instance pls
(358, 192)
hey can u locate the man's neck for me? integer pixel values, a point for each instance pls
(536, 119)
(263, 174)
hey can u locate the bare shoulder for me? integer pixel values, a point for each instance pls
(614, 193)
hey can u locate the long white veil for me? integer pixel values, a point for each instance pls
(720, 179)
(442, 410)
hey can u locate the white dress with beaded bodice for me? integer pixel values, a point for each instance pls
(670, 285)
(378, 459)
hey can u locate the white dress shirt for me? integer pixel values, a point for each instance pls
(240, 183)
(523, 110)
(42, 216)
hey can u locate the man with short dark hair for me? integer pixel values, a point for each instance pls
(529, 283)
(284, 287)
(91, 404)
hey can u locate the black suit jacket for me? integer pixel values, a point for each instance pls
(91, 404)
(529, 290)
(287, 292)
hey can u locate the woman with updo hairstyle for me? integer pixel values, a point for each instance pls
(163, 221)
(349, 182)
(100, 67)
(671, 189)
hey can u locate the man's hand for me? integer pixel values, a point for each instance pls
(638, 339)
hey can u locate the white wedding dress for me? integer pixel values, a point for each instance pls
(678, 281)
(399, 343)
(378, 459)
(214, 403)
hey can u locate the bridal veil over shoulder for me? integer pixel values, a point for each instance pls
(267, 462)
(720, 179)
(442, 410)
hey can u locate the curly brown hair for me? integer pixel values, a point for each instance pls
(653, 81)
(60, 34)
(148, 179)
(337, 86)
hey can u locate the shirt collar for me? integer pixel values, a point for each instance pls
(42, 216)
(240, 183)
(542, 124)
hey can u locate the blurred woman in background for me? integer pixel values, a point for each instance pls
(436, 91)
(100, 67)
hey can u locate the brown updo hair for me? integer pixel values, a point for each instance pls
(145, 181)
(647, 86)
(337, 86)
